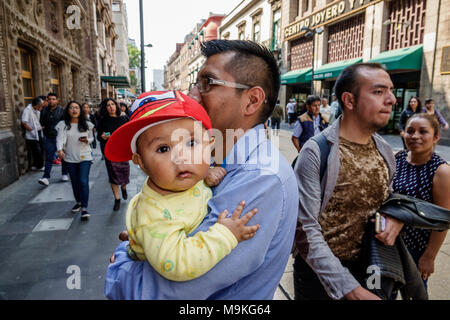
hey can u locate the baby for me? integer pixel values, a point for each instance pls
(169, 137)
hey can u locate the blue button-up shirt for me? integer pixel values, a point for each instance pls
(260, 175)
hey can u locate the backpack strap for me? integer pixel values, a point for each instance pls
(324, 147)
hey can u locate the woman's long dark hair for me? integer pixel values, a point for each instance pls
(82, 122)
(419, 104)
(104, 111)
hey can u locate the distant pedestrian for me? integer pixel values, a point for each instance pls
(276, 117)
(33, 133)
(73, 144)
(50, 116)
(90, 117)
(118, 172)
(325, 109)
(336, 109)
(308, 124)
(422, 174)
(430, 109)
(124, 110)
(414, 106)
(290, 111)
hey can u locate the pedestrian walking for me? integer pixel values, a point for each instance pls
(33, 133)
(422, 174)
(290, 111)
(430, 109)
(73, 144)
(336, 202)
(118, 172)
(325, 110)
(90, 117)
(336, 110)
(276, 117)
(309, 124)
(50, 116)
(414, 106)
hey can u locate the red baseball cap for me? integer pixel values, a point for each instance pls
(152, 108)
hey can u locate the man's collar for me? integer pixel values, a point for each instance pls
(244, 147)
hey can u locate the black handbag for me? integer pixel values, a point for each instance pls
(416, 213)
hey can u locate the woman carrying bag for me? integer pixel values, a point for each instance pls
(424, 175)
(73, 144)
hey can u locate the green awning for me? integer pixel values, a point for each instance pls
(296, 76)
(401, 59)
(333, 70)
(118, 82)
(126, 93)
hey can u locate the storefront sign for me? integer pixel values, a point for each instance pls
(328, 14)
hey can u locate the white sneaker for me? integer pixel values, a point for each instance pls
(64, 178)
(44, 181)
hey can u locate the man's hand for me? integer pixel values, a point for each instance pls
(215, 176)
(236, 223)
(393, 228)
(360, 293)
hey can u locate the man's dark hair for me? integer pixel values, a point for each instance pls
(43, 97)
(36, 101)
(348, 80)
(311, 99)
(52, 94)
(253, 65)
(429, 100)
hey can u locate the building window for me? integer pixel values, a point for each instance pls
(55, 83)
(257, 32)
(345, 39)
(102, 64)
(407, 23)
(276, 29)
(301, 53)
(26, 73)
(116, 6)
(241, 30)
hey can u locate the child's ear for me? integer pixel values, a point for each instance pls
(136, 158)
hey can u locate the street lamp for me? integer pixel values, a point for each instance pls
(311, 33)
(141, 21)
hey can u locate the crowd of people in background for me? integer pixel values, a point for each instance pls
(67, 136)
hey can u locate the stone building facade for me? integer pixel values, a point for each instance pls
(45, 46)
(407, 36)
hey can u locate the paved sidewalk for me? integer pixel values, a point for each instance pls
(439, 283)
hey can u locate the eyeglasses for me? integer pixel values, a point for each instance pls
(204, 84)
(74, 108)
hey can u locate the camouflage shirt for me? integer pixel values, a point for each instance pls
(361, 188)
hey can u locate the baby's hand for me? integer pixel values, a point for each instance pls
(237, 224)
(215, 176)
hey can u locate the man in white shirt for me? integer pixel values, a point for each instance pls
(290, 110)
(325, 109)
(33, 133)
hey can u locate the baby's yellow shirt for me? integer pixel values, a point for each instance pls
(158, 227)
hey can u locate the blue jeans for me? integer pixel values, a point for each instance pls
(50, 149)
(79, 177)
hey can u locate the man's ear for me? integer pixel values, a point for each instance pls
(255, 99)
(349, 100)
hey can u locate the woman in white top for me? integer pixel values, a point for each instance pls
(73, 145)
